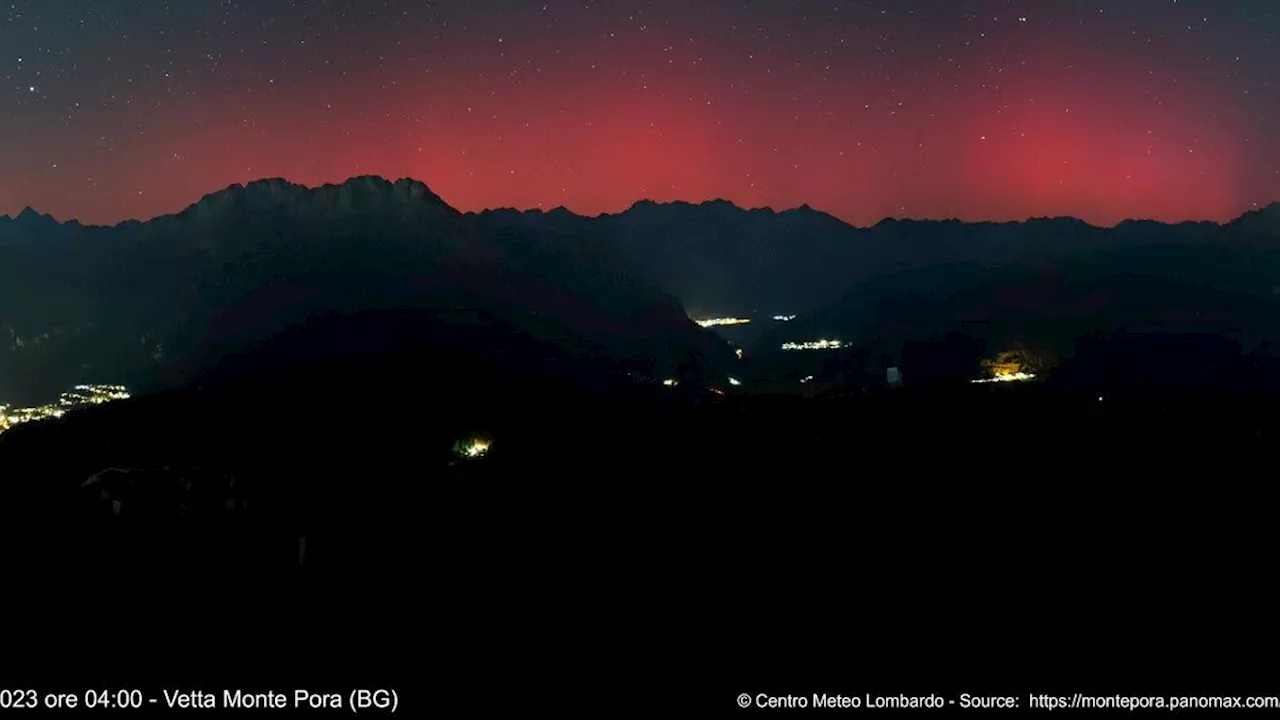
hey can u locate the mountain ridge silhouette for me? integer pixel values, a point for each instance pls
(279, 184)
(161, 303)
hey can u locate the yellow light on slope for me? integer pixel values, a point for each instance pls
(472, 446)
(81, 396)
(1007, 377)
(713, 322)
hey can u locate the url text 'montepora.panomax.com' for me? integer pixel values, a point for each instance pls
(1034, 701)
(1080, 701)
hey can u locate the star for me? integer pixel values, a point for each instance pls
(800, 76)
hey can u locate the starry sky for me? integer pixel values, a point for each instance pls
(976, 109)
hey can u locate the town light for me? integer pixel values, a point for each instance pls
(713, 322)
(814, 345)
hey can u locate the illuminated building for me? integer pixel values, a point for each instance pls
(713, 322)
(1008, 366)
(472, 447)
(738, 352)
(735, 381)
(784, 318)
(671, 382)
(814, 345)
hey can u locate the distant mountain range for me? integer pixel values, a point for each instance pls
(1047, 283)
(167, 301)
(1042, 282)
(722, 260)
(184, 298)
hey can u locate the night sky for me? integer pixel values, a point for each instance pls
(991, 110)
